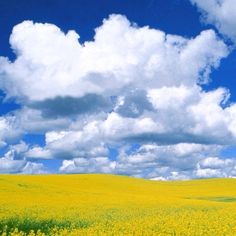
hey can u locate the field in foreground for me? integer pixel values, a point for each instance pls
(114, 205)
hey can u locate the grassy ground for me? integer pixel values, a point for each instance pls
(114, 205)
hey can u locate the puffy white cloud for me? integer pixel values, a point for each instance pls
(213, 167)
(129, 85)
(72, 144)
(121, 56)
(210, 173)
(29, 120)
(167, 98)
(179, 134)
(171, 162)
(88, 165)
(9, 165)
(14, 162)
(38, 153)
(230, 114)
(221, 13)
(9, 132)
(144, 68)
(154, 161)
(193, 116)
(213, 163)
(34, 168)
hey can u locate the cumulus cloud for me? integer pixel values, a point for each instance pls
(154, 161)
(9, 132)
(171, 162)
(38, 152)
(195, 117)
(121, 56)
(14, 162)
(129, 85)
(221, 13)
(88, 165)
(34, 168)
(213, 167)
(9, 165)
(29, 120)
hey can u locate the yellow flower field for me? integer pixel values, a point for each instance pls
(96, 204)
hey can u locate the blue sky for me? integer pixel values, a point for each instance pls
(141, 88)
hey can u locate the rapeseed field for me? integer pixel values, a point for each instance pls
(96, 204)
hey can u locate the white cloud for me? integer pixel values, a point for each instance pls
(88, 165)
(9, 133)
(213, 163)
(193, 116)
(38, 153)
(167, 98)
(31, 120)
(34, 168)
(129, 85)
(14, 162)
(9, 165)
(171, 162)
(121, 56)
(210, 173)
(153, 161)
(213, 167)
(221, 13)
(188, 128)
